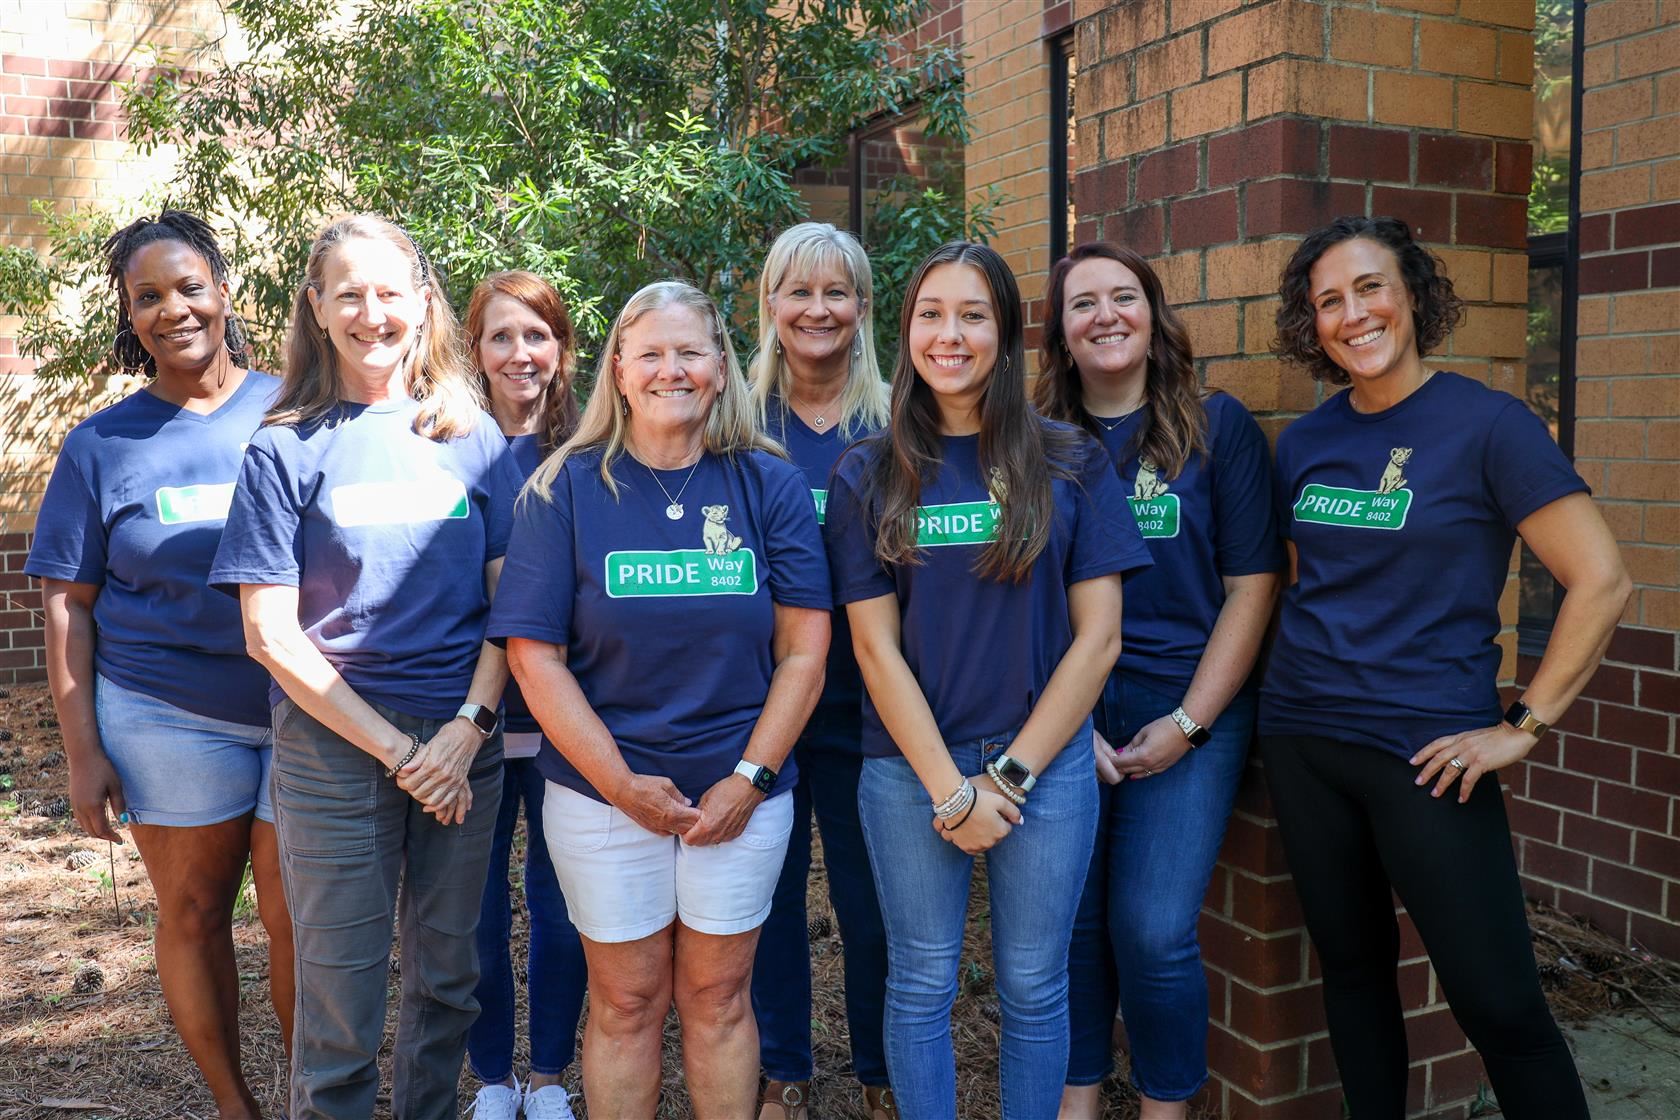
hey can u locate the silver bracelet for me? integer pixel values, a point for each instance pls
(413, 749)
(957, 802)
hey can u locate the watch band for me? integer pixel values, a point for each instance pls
(483, 719)
(1193, 731)
(1017, 773)
(763, 778)
(1520, 716)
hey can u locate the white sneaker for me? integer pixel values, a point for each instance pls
(548, 1103)
(496, 1102)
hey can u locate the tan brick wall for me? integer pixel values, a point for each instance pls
(1628, 356)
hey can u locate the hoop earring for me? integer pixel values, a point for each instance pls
(124, 351)
(234, 324)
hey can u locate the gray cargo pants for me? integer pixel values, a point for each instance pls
(347, 836)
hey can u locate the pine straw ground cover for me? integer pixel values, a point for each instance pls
(84, 1031)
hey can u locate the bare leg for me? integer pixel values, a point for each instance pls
(713, 977)
(629, 994)
(1152, 1109)
(1080, 1102)
(277, 922)
(196, 874)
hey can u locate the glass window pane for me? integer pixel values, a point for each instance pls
(1554, 34)
(1537, 591)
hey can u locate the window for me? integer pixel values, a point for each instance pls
(1553, 221)
(1064, 144)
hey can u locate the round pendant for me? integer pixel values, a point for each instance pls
(819, 422)
(674, 511)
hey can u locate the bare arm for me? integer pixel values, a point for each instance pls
(1570, 538)
(800, 648)
(1231, 651)
(1073, 688)
(70, 674)
(569, 723)
(905, 713)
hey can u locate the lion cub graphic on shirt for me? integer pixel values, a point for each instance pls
(1393, 477)
(716, 535)
(1149, 482)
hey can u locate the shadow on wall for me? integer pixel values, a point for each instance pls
(35, 416)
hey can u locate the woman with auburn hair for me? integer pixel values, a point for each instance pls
(666, 611)
(165, 719)
(522, 342)
(818, 387)
(1380, 724)
(364, 542)
(1177, 714)
(979, 550)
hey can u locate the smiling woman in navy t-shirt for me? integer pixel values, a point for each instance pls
(1177, 714)
(364, 541)
(666, 607)
(979, 550)
(165, 719)
(1380, 721)
(816, 380)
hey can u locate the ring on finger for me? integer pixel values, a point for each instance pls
(1148, 773)
(1458, 762)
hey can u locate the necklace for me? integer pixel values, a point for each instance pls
(818, 420)
(1118, 420)
(675, 510)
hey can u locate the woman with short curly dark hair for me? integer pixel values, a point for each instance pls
(1401, 498)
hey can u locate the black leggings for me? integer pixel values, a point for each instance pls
(1354, 826)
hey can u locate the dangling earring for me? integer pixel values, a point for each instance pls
(623, 405)
(324, 333)
(777, 345)
(857, 345)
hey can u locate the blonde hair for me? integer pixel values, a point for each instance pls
(801, 251)
(436, 370)
(732, 426)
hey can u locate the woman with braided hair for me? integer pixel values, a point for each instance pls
(165, 719)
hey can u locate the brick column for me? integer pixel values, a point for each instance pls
(1222, 132)
(1596, 810)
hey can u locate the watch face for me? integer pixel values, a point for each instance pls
(484, 719)
(764, 780)
(1013, 771)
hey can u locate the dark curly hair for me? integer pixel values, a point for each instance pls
(1436, 308)
(170, 225)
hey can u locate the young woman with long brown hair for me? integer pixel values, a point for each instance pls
(979, 549)
(1178, 705)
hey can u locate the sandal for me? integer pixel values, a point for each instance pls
(879, 1103)
(791, 1097)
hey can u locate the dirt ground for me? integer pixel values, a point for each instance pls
(84, 1031)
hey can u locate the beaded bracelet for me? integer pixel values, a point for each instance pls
(413, 749)
(1004, 785)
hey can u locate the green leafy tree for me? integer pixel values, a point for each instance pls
(599, 143)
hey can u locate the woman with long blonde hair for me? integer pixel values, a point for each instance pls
(375, 486)
(666, 610)
(818, 386)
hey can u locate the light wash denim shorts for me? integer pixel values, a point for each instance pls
(179, 768)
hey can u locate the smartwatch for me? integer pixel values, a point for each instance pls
(763, 778)
(1193, 731)
(482, 718)
(1520, 717)
(1015, 772)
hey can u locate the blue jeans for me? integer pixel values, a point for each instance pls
(1156, 846)
(781, 983)
(555, 970)
(1034, 874)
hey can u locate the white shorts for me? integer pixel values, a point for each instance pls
(623, 882)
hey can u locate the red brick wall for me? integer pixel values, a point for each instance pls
(21, 644)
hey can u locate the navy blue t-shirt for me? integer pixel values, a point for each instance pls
(981, 649)
(837, 722)
(528, 456)
(385, 534)
(1403, 522)
(136, 505)
(1214, 520)
(667, 623)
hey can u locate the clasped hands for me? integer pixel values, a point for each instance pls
(658, 805)
(992, 817)
(437, 775)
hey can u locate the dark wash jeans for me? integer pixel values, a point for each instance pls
(348, 838)
(781, 983)
(1354, 825)
(1134, 938)
(555, 970)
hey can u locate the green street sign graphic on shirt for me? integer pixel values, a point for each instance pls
(956, 523)
(182, 505)
(1156, 517)
(821, 498)
(1356, 509)
(681, 572)
(439, 498)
